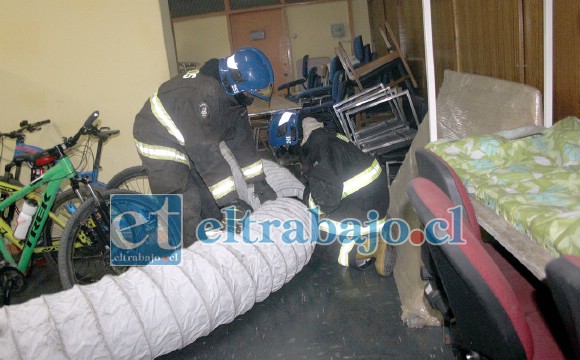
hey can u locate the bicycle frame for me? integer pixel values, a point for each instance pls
(53, 179)
(93, 174)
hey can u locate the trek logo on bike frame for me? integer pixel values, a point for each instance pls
(38, 219)
(146, 229)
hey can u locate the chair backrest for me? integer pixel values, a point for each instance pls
(371, 73)
(431, 166)
(347, 64)
(338, 86)
(305, 66)
(313, 79)
(368, 54)
(563, 278)
(488, 317)
(393, 46)
(334, 67)
(358, 48)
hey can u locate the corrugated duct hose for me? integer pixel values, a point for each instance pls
(149, 311)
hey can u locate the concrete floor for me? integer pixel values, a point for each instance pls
(325, 312)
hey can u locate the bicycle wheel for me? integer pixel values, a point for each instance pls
(134, 178)
(64, 207)
(84, 253)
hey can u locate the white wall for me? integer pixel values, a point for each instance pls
(309, 28)
(201, 39)
(62, 59)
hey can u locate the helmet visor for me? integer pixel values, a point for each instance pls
(264, 93)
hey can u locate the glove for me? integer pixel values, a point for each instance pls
(264, 191)
(234, 215)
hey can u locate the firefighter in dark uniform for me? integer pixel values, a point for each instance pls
(178, 131)
(343, 183)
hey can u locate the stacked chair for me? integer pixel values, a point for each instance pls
(358, 48)
(392, 132)
(289, 86)
(381, 117)
(491, 310)
(362, 52)
(317, 93)
(321, 106)
(391, 69)
(399, 70)
(310, 80)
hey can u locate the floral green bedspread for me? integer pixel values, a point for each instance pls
(533, 182)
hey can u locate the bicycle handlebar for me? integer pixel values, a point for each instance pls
(25, 127)
(91, 119)
(87, 129)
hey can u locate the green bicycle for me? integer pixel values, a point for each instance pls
(41, 194)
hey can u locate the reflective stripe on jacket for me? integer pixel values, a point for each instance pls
(253, 170)
(344, 182)
(357, 182)
(161, 153)
(186, 119)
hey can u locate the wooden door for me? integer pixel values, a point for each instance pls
(275, 44)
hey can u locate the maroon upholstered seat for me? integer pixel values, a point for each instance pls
(431, 166)
(487, 317)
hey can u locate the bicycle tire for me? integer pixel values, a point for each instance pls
(64, 207)
(134, 178)
(80, 225)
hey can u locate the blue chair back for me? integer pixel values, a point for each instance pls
(358, 46)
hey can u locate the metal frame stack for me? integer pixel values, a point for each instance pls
(392, 132)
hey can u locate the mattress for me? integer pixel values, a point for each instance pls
(533, 182)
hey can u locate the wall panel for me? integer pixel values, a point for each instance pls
(566, 58)
(534, 43)
(488, 38)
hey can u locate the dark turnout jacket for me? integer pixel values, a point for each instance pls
(186, 119)
(344, 182)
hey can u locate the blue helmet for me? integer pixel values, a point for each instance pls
(283, 129)
(247, 70)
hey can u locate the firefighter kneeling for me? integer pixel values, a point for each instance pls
(345, 185)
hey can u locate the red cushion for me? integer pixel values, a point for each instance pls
(524, 290)
(438, 203)
(471, 217)
(502, 263)
(545, 346)
(573, 259)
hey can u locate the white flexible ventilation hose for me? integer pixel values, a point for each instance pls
(150, 311)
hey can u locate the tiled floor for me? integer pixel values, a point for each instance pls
(325, 312)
